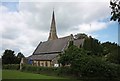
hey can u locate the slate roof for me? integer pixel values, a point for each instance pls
(43, 57)
(79, 42)
(50, 49)
(52, 46)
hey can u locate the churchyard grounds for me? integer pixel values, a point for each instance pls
(16, 74)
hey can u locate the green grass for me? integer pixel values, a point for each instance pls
(14, 74)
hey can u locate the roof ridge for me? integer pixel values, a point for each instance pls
(65, 37)
(57, 39)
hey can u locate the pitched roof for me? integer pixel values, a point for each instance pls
(52, 46)
(43, 57)
(79, 42)
(48, 50)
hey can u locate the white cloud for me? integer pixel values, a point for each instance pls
(23, 30)
(92, 27)
(89, 28)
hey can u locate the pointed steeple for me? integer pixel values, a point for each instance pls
(53, 33)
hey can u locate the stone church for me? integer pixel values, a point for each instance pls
(47, 52)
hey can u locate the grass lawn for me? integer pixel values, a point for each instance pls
(14, 74)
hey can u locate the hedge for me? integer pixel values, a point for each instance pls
(95, 67)
(11, 66)
(44, 70)
(59, 71)
(103, 70)
(106, 70)
(39, 70)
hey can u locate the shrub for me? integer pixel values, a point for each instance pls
(112, 70)
(11, 66)
(38, 69)
(64, 71)
(92, 66)
(60, 71)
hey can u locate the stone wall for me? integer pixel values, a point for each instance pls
(42, 63)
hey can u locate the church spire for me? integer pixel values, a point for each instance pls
(53, 33)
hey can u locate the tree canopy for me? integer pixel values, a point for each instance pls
(115, 7)
(81, 63)
(9, 57)
(20, 55)
(93, 46)
(81, 36)
(111, 51)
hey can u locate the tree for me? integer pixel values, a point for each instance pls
(115, 7)
(72, 57)
(81, 36)
(81, 64)
(93, 46)
(8, 57)
(19, 57)
(111, 51)
(69, 54)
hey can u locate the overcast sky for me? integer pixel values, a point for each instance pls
(24, 24)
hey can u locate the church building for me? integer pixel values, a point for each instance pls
(47, 52)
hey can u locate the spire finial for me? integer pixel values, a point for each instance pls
(53, 8)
